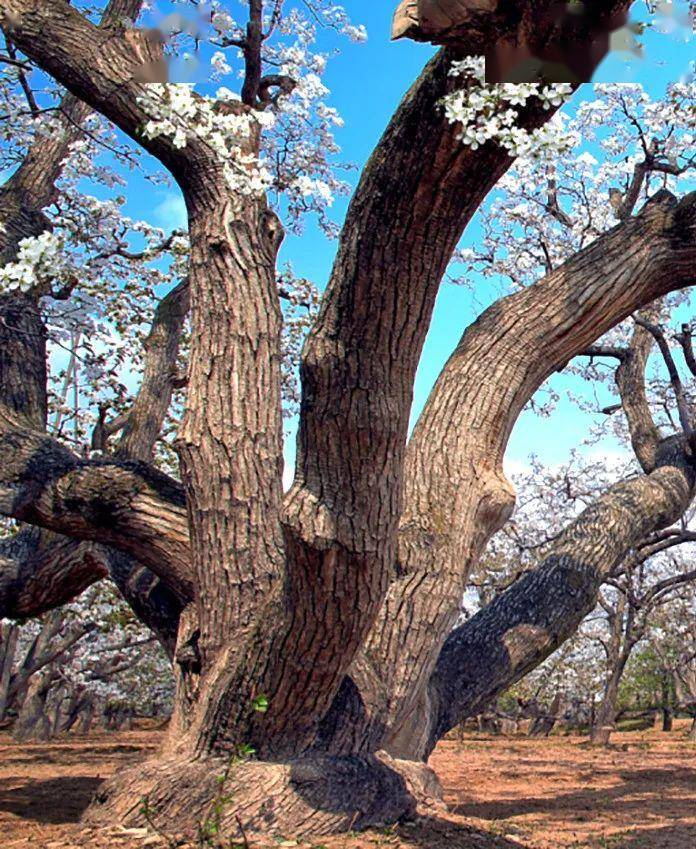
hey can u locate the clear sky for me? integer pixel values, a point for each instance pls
(367, 81)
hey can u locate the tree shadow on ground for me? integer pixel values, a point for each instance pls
(54, 800)
(680, 836)
(678, 784)
(438, 833)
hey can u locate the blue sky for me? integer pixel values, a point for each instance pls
(367, 81)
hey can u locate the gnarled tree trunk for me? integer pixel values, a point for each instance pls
(331, 610)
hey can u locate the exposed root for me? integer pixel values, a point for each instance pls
(313, 795)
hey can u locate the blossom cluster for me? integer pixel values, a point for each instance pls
(38, 258)
(491, 112)
(181, 114)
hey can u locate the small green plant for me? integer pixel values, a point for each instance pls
(260, 704)
(209, 828)
(148, 812)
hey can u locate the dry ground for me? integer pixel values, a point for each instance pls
(503, 793)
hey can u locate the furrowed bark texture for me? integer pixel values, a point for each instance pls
(358, 371)
(527, 622)
(145, 418)
(417, 193)
(455, 493)
(230, 442)
(44, 483)
(127, 504)
(281, 610)
(41, 570)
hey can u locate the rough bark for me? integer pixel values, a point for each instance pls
(522, 42)
(9, 632)
(309, 795)
(281, 611)
(42, 482)
(418, 192)
(630, 382)
(144, 422)
(32, 721)
(523, 625)
(455, 492)
(41, 570)
(447, 192)
(125, 504)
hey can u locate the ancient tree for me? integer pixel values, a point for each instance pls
(315, 626)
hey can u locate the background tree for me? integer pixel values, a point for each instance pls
(56, 680)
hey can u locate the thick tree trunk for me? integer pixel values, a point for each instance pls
(605, 719)
(281, 610)
(667, 718)
(455, 491)
(33, 722)
(667, 712)
(9, 632)
(544, 724)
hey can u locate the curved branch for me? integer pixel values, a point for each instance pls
(40, 571)
(630, 382)
(145, 418)
(674, 378)
(418, 191)
(526, 623)
(126, 504)
(455, 492)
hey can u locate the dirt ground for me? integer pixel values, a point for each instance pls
(503, 793)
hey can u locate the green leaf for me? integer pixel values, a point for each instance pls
(260, 704)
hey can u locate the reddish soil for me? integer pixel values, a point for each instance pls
(503, 793)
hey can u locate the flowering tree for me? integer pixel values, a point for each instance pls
(315, 626)
(78, 663)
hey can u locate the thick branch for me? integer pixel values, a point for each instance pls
(630, 381)
(150, 407)
(416, 195)
(40, 571)
(125, 504)
(455, 492)
(523, 625)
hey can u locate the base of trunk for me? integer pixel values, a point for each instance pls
(311, 795)
(601, 735)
